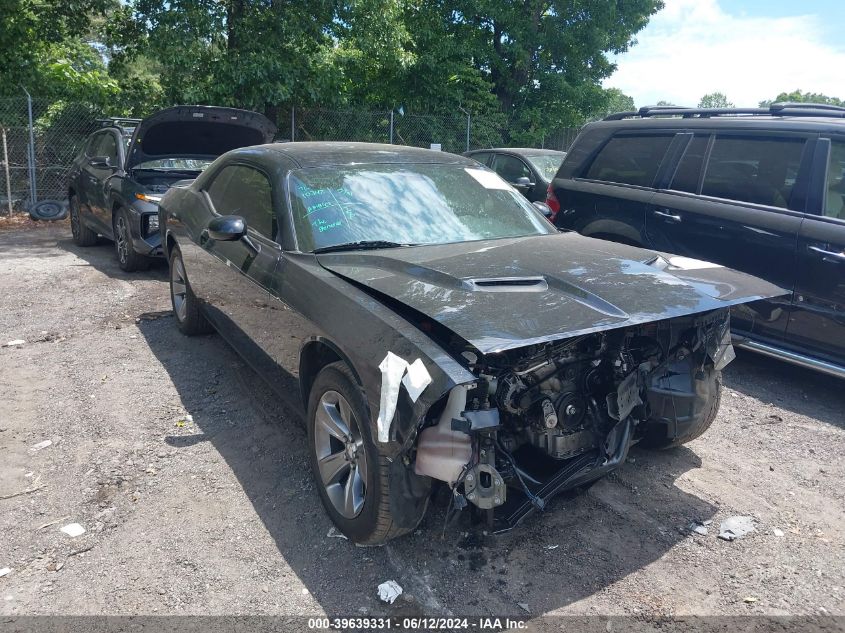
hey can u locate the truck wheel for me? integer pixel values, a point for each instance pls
(366, 496)
(190, 320)
(82, 235)
(655, 435)
(127, 257)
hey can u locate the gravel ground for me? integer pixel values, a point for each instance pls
(193, 488)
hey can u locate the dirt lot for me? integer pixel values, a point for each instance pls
(192, 484)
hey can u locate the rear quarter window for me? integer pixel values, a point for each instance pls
(630, 160)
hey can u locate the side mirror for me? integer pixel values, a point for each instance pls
(102, 162)
(523, 181)
(543, 208)
(227, 228)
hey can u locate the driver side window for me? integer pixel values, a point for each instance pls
(510, 168)
(244, 191)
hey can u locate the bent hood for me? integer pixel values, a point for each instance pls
(201, 132)
(508, 293)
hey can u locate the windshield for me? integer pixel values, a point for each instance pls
(407, 204)
(175, 164)
(546, 164)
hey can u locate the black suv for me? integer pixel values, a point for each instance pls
(760, 190)
(117, 180)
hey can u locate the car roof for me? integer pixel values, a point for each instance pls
(525, 151)
(757, 122)
(324, 153)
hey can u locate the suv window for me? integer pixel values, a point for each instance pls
(631, 160)
(510, 168)
(834, 206)
(244, 191)
(689, 169)
(758, 170)
(107, 146)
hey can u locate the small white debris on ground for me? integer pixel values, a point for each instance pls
(37, 447)
(777, 532)
(735, 527)
(73, 529)
(523, 606)
(698, 528)
(17, 341)
(5, 571)
(389, 590)
(335, 533)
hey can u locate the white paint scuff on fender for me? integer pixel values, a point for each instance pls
(396, 371)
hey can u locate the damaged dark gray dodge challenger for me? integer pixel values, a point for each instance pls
(441, 328)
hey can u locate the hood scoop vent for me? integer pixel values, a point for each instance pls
(506, 284)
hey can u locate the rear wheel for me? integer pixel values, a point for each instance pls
(127, 257)
(82, 235)
(189, 318)
(353, 479)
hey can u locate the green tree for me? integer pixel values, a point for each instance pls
(798, 96)
(46, 47)
(715, 100)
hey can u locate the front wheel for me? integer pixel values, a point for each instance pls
(189, 318)
(353, 479)
(127, 257)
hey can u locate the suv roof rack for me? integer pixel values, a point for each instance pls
(118, 121)
(775, 109)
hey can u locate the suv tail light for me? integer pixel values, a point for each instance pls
(552, 202)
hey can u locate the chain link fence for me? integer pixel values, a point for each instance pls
(41, 139)
(43, 136)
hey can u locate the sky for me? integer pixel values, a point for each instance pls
(749, 50)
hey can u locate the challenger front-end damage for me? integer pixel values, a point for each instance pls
(553, 416)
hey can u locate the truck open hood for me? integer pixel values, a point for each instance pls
(201, 132)
(509, 293)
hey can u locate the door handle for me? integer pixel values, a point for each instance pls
(669, 217)
(829, 256)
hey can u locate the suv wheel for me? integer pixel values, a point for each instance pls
(82, 235)
(353, 479)
(189, 318)
(127, 257)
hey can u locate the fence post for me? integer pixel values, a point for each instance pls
(391, 127)
(469, 124)
(293, 123)
(6, 168)
(33, 196)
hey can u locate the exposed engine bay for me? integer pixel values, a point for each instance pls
(551, 417)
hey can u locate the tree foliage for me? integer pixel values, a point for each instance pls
(532, 65)
(798, 96)
(715, 100)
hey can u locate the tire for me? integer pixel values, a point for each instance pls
(336, 407)
(48, 210)
(190, 320)
(655, 436)
(82, 235)
(128, 258)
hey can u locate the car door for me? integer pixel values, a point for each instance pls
(100, 175)
(517, 173)
(736, 199)
(232, 278)
(817, 320)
